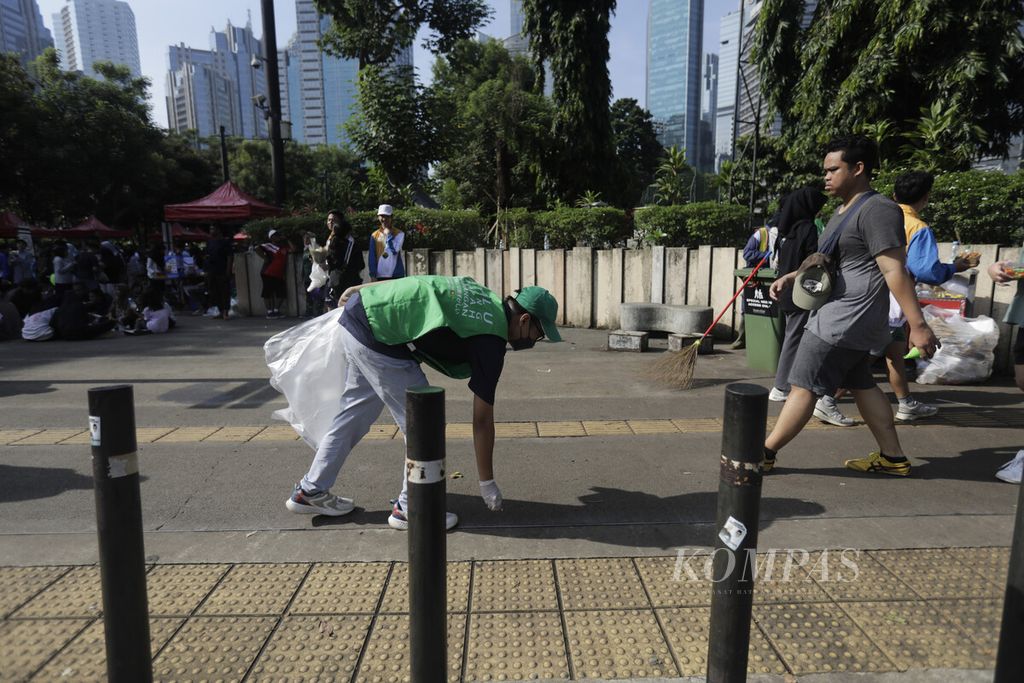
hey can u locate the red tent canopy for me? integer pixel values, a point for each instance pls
(226, 203)
(179, 231)
(94, 227)
(10, 222)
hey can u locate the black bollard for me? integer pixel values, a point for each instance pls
(428, 593)
(115, 469)
(735, 558)
(1010, 655)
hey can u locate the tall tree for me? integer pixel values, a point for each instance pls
(861, 63)
(636, 148)
(375, 31)
(572, 35)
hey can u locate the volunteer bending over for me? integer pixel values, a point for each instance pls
(452, 324)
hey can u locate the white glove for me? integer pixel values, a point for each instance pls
(491, 495)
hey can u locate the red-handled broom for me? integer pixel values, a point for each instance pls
(675, 368)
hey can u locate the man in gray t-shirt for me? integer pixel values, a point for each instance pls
(835, 351)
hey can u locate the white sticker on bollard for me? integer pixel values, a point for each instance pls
(122, 465)
(424, 471)
(733, 533)
(94, 430)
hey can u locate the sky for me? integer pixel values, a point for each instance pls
(160, 24)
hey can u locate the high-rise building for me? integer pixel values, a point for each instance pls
(708, 111)
(674, 35)
(207, 89)
(22, 30)
(90, 31)
(728, 58)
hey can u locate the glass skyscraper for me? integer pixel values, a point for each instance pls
(89, 31)
(22, 30)
(674, 34)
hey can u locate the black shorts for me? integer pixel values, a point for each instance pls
(273, 287)
(823, 369)
(1018, 349)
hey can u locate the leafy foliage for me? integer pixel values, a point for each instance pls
(636, 148)
(674, 181)
(690, 225)
(567, 227)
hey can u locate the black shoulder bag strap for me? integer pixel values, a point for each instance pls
(832, 242)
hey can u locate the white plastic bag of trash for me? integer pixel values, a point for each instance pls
(967, 352)
(307, 365)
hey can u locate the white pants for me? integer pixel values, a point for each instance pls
(372, 381)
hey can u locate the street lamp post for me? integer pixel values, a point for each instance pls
(274, 88)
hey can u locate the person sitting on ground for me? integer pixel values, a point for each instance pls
(122, 309)
(25, 296)
(77, 318)
(10, 321)
(157, 317)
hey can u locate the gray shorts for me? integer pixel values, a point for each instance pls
(823, 369)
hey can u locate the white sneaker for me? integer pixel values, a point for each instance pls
(913, 409)
(320, 503)
(399, 521)
(778, 395)
(826, 410)
(1011, 471)
(212, 312)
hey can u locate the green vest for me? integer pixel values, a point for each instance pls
(403, 310)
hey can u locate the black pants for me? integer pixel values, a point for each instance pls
(218, 292)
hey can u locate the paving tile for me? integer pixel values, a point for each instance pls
(26, 645)
(177, 589)
(618, 644)
(936, 573)
(85, 658)
(606, 427)
(212, 649)
(558, 429)
(694, 426)
(386, 659)
(783, 577)
(671, 584)
(341, 587)
(276, 433)
(151, 434)
(862, 578)
(322, 648)
(515, 430)
(47, 437)
(516, 646)
(8, 436)
(396, 598)
(233, 434)
(19, 584)
(687, 631)
(254, 589)
(992, 563)
(76, 594)
(382, 432)
(82, 438)
(915, 636)
(819, 638)
(652, 426)
(186, 435)
(600, 584)
(525, 585)
(979, 619)
(459, 430)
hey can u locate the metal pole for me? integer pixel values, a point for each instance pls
(735, 558)
(224, 156)
(424, 467)
(1010, 655)
(115, 468)
(274, 93)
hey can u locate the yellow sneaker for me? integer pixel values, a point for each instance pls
(767, 465)
(876, 463)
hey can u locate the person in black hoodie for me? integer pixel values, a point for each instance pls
(344, 258)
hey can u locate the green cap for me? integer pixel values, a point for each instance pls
(539, 303)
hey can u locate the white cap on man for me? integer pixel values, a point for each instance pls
(385, 210)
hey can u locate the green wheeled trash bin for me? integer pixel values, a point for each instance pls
(762, 320)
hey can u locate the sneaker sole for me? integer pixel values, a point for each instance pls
(891, 473)
(832, 421)
(403, 525)
(904, 417)
(300, 509)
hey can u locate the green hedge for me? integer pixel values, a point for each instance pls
(567, 227)
(691, 225)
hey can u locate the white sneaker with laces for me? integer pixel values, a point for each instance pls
(778, 395)
(398, 519)
(1011, 472)
(826, 410)
(913, 409)
(319, 503)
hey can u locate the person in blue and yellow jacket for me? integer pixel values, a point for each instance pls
(386, 259)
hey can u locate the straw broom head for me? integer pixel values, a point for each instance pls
(675, 368)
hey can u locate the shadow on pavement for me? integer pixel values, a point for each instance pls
(31, 483)
(23, 388)
(979, 464)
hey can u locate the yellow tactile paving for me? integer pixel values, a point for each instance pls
(343, 587)
(687, 632)
(76, 594)
(8, 436)
(515, 430)
(511, 646)
(979, 619)
(652, 426)
(82, 438)
(618, 645)
(459, 430)
(819, 638)
(507, 585)
(47, 437)
(675, 581)
(324, 648)
(177, 589)
(915, 636)
(606, 427)
(255, 589)
(396, 599)
(84, 660)
(186, 435)
(936, 573)
(382, 432)
(26, 645)
(234, 434)
(785, 577)
(600, 584)
(698, 425)
(558, 429)
(992, 563)
(151, 434)
(386, 659)
(212, 649)
(860, 578)
(19, 584)
(276, 433)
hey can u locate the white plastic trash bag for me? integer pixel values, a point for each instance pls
(307, 365)
(968, 348)
(317, 277)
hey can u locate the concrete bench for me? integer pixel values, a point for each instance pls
(665, 318)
